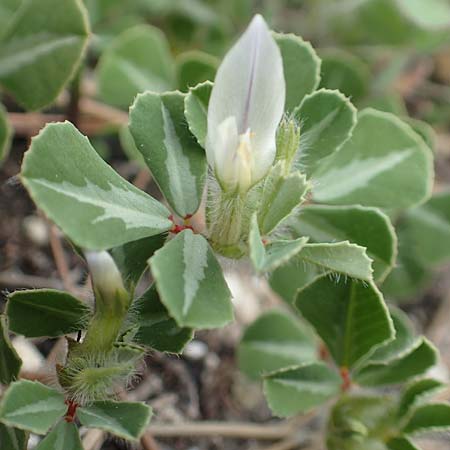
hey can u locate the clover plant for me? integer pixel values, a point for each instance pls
(263, 167)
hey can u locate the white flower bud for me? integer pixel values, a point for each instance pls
(245, 108)
(106, 278)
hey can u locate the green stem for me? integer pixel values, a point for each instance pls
(105, 325)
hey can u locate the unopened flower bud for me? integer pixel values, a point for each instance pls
(245, 108)
(110, 293)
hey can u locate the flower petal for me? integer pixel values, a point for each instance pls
(250, 87)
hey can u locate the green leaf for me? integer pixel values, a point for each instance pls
(384, 164)
(82, 194)
(64, 436)
(391, 102)
(190, 282)
(10, 362)
(156, 328)
(431, 417)
(41, 48)
(433, 15)
(401, 443)
(5, 133)
(177, 162)
(340, 257)
(423, 129)
(416, 361)
(289, 278)
(409, 275)
(400, 22)
(361, 422)
(281, 195)
(129, 147)
(275, 341)
(428, 229)
(301, 68)
(367, 227)
(131, 258)
(12, 438)
(346, 72)
(196, 110)
(299, 389)
(401, 344)
(127, 354)
(7, 10)
(138, 60)
(124, 419)
(416, 393)
(31, 406)
(195, 11)
(349, 316)
(326, 120)
(46, 312)
(266, 258)
(195, 67)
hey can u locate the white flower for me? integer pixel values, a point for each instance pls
(106, 278)
(245, 108)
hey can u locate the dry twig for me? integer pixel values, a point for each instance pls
(60, 259)
(230, 429)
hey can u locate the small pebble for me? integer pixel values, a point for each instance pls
(195, 350)
(36, 230)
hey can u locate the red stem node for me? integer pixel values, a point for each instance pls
(71, 411)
